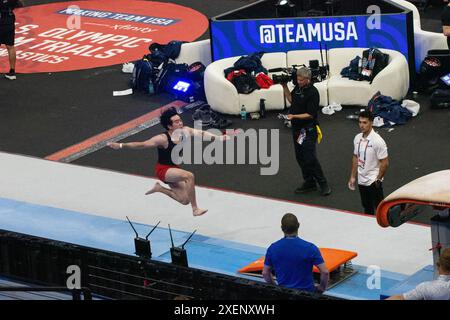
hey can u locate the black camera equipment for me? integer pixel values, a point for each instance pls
(319, 72)
(315, 70)
(288, 74)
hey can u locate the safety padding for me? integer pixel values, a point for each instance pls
(334, 258)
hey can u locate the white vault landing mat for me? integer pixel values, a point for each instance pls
(236, 217)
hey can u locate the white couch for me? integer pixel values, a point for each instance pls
(423, 40)
(392, 81)
(195, 51)
(222, 95)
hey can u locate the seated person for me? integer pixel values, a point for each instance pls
(438, 289)
(292, 260)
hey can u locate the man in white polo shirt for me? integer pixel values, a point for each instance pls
(370, 161)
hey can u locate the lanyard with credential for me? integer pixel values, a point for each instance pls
(365, 150)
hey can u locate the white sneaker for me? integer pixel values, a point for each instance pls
(336, 106)
(328, 110)
(10, 76)
(378, 122)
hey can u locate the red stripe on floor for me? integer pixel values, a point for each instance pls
(111, 133)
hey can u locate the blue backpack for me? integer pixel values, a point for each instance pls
(143, 76)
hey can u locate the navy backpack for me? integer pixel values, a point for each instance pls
(143, 76)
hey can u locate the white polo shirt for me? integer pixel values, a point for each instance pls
(438, 289)
(369, 151)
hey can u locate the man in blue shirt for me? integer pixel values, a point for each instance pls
(292, 260)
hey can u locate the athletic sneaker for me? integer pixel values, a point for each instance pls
(306, 187)
(325, 190)
(11, 75)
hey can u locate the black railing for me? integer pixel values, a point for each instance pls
(118, 276)
(76, 293)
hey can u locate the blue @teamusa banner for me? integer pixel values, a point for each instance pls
(242, 37)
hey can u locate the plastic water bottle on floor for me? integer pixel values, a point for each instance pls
(243, 113)
(151, 88)
(262, 108)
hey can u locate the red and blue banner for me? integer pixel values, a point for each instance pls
(77, 35)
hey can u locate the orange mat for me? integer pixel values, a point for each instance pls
(333, 259)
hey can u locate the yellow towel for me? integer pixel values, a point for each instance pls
(319, 134)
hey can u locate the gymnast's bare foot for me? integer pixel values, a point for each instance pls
(156, 188)
(198, 212)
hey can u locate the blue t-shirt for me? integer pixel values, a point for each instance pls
(292, 260)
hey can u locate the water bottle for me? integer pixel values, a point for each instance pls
(151, 88)
(262, 108)
(243, 113)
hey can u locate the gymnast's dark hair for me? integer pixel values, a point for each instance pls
(366, 114)
(166, 115)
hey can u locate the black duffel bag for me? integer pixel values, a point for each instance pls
(440, 99)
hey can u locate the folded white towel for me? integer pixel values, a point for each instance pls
(128, 67)
(412, 106)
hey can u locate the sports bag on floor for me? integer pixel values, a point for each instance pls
(440, 99)
(143, 76)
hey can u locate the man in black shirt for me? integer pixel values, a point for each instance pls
(304, 99)
(7, 32)
(446, 22)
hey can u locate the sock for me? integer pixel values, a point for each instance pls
(12, 70)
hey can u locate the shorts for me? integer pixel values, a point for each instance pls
(161, 169)
(7, 34)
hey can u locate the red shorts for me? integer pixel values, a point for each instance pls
(161, 169)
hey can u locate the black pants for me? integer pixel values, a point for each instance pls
(371, 196)
(307, 158)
